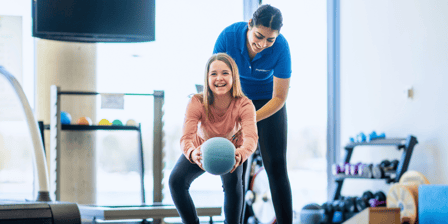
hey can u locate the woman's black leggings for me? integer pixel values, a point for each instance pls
(272, 133)
(184, 173)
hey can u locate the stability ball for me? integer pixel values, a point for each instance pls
(218, 155)
(104, 122)
(131, 122)
(66, 118)
(84, 121)
(117, 122)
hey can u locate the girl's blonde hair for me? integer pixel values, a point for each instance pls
(207, 95)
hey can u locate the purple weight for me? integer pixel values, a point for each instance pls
(342, 167)
(336, 169)
(354, 169)
(375, 203)
(360, 168)
(347, 167)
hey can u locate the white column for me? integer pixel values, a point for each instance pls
(71, 66)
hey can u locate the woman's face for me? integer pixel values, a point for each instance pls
(220, 79)
(260, 38)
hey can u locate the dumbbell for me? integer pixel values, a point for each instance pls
(346, 168)
(336, 169)
(365, 170)
(361, 137)
(378, 200)
(377, 170)
(335, 205)
(327, 207)
(351, 169)
(349, 204)
(380, 170)
(380, 196)
(355, 168)
(343, 168)
(374, 135)
(328, 212)
(345, 204)
(375, 203)
(363, 201)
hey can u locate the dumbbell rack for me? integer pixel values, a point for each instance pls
(407, 144)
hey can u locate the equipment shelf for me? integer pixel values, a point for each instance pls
(56, 128)
(399, 142)
(341, 177)
(406, 144)
(73, 127)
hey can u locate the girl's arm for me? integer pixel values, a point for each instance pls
(279, 95)
(189, 132)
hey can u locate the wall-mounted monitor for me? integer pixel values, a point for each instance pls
(94, 20)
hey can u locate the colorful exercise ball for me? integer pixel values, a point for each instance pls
(66, 118)
(104, 122)
(131, 122)
(117, 122)
(218, 155)
(84, 121)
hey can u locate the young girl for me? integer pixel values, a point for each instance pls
(221, 110)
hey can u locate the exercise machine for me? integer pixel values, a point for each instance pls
(43, 209)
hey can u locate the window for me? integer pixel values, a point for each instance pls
(305, 28)
(17, 56)
(174, 63)
(16, 149)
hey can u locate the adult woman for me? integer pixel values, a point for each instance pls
(263, 58)
(220, 111)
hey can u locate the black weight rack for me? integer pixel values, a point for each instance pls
(406, 144)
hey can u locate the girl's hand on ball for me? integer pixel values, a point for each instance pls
(196, 156)
(237, 161)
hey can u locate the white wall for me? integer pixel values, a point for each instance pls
(387, 46)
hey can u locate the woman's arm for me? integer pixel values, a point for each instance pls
(279, 95)
(247, 137)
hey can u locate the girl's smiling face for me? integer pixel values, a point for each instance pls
(220, 78)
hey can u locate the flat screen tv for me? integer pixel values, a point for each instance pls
(94, 20)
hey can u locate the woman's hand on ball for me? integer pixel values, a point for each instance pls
(196, 156)
(237, 161)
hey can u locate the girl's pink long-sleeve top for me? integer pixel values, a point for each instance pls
(240, 115)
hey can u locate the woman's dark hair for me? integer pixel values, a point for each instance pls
(267, 16)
